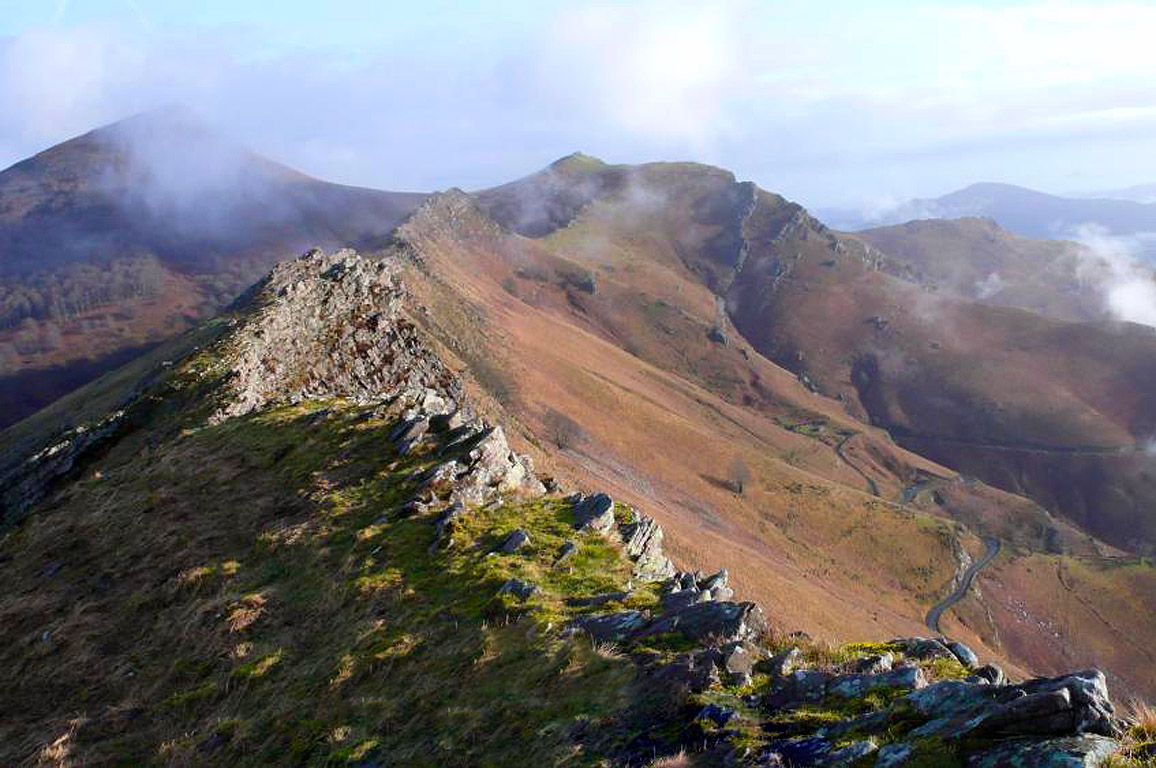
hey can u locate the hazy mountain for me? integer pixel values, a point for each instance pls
(1139, 193)
(1017, 209)
(115, 240)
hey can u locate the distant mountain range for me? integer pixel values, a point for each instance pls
(1020, 210)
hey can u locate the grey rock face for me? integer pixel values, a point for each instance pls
(1072, 752)
(329, 326)
(642, 541)
(716, 622)
(1062, 706)
(855, 686)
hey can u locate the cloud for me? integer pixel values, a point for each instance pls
(1112, 264)
(665, 71)
(820, 101)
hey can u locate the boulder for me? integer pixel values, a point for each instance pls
(965, 655)
(990, 673)
(1069, 705)
(594, 513)
(523, 590)
(739, 662)
(514, 542)
(568, 550)
(785, 663)
(875, 664)
(922, 648)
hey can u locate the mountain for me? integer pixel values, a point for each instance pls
(1138, 193)
(294, 538)
(1023, 211)
(978, 260)
(118, 239)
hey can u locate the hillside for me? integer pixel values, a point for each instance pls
(601, 338)
(977, 260)
(360, 571)
(121, 238)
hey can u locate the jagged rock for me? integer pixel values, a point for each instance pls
(522, 590)
(610, 626)
(28, 482)
(492, 469)
(642, 541)
(717, 580)
(442, 423)
(1060, 706)
(714, 622)
(1073, 704)
(855, 686)
(329, 326)
(1072, 752)
(594, 513)
(439, 481)
(965, 655)
(672, 602)
(514, 542)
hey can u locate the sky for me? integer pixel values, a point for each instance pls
(833, 103)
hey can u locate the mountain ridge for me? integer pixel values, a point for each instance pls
(360, 562)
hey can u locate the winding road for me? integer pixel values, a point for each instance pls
(936, 613)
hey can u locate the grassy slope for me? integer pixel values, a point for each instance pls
(269, 608)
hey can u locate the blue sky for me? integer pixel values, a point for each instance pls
(833, 103)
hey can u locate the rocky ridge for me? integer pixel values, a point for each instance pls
(293, 350)
(334, 326)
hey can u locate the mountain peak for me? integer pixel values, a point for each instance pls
(578, 161)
